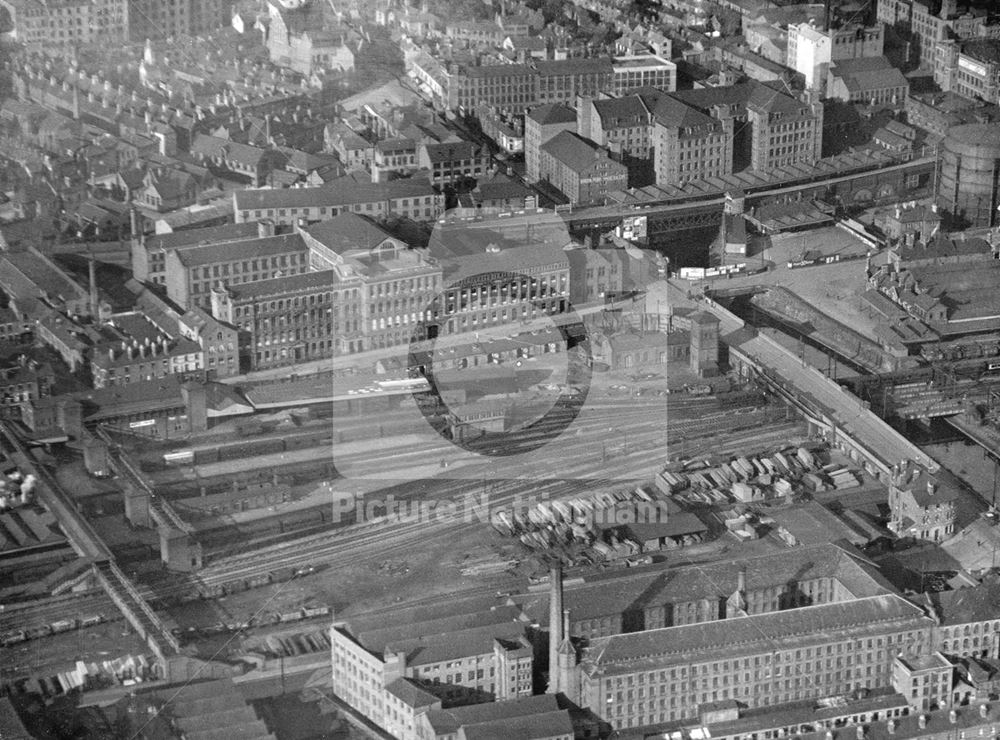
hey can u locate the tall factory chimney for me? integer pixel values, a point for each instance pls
(555, 625)
(826, 15)
(95, 309)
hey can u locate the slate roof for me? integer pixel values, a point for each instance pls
(618, 112)
(652, 586)
(446, 721)
(750, 634)
(868, 73)
(536, 726)
(673, 113)
(593, 65)
(341, 191)
(459, 644)
(943, 246)
(213, 146)
(513, 260)
(240, 250)
(964, 605)
(346, 232)
(452, 151)
(573, 150)
(412, 695)
(283, 285)
(553, 113)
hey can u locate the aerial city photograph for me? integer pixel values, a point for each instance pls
(499, 369)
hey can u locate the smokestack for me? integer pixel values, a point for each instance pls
(826, 15)
(555, 625)
(95, 311)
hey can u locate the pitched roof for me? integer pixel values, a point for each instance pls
(446, 721)
(171, 184)
(11, 725)
(673, 113)
(573, 150)
(452, 151)
(749, 634)
(458, 644)
(553, 113)
(377, 637)
(410, 693)
(534, 727)
(500, 187)
(283, 285)
(593, 65)
(209, 234)
(626, 111)
(608, 594)
(346, 232)
(868, 73)
(213, 146)
(242, 249)
(340, 191)
(942, 246)
(513, 260)
(499, 70)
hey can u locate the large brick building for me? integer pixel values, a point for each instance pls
(396, 285)
(149, 254)
(160, 19)
(54, 23)
(969, 67)
(516, 87)
(503, 86)
(778, 657)
(501, 286)
(285, 320)
(415, 199)
(580, 169)
(190, 274)
(689, 144)
(398, 667)
(540, 125)
(927, 22)
(694, 131)
(811, 50)
(565, 80)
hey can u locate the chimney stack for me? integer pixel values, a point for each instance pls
(95, 310)
(555, 625)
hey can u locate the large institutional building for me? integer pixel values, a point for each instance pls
(786, 644)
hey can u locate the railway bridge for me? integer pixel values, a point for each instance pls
(88, 544)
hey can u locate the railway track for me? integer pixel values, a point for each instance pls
(28, 614)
